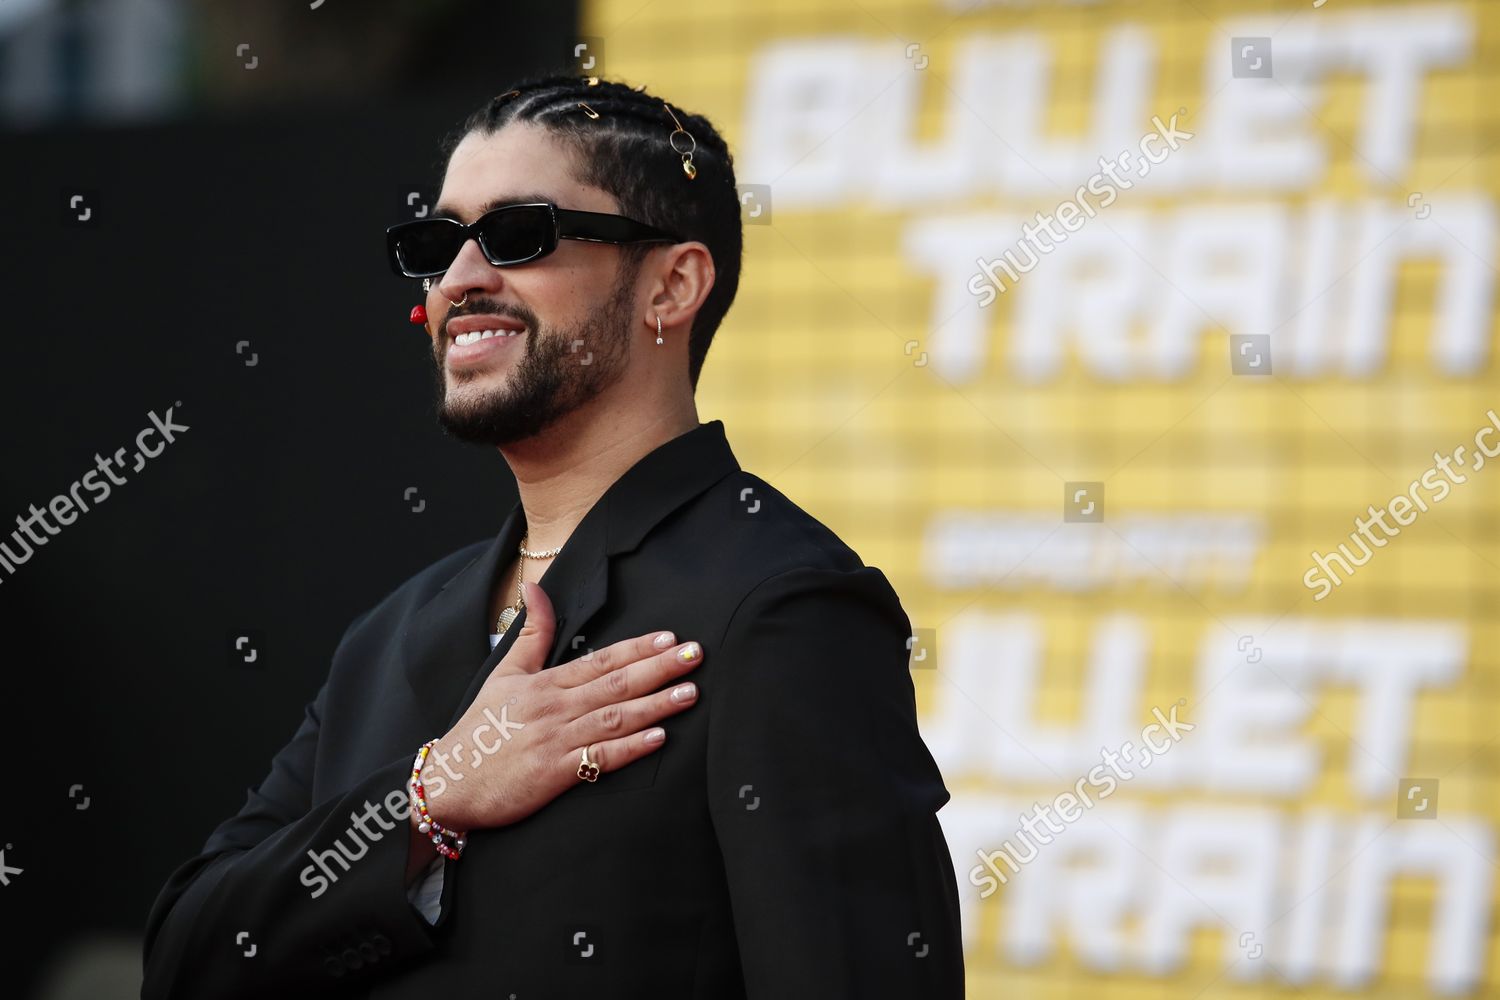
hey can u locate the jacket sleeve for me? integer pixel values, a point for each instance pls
(824, 797)
(256, 915)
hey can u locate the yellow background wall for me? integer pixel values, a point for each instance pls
(857, 374)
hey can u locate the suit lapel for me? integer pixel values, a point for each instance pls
(451, 631)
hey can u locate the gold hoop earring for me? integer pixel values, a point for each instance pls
(658, 328)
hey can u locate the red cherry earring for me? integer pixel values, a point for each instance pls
(418, 315)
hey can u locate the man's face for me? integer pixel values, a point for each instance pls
(563, 323)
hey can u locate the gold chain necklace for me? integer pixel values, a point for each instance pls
(508, 615)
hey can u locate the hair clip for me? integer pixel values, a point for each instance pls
(687, 156)
(588, 110)
(592, 81)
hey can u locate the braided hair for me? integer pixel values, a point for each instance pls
(626, 152)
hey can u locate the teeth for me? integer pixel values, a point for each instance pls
(464, 339)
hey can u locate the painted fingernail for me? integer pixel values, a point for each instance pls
(684, 692)
(655, 735)
(689, 653)
(664, 640)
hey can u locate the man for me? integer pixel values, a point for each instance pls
(609, 827)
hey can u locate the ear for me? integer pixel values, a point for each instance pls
(681, 280)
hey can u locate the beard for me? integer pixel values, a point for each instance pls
(550, 380)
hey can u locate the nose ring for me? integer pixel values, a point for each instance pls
(427, 287)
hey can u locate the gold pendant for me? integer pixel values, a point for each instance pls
(506, 617)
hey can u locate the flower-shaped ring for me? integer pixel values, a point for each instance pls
(588, 770)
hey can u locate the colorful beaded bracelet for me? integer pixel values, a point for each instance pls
(428, 825)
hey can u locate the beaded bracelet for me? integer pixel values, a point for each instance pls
(428, 825)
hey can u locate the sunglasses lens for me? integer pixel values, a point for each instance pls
(424, 248)
(516, 234)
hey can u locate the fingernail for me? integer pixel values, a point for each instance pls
(655, 735)
(683, 692)
(689, 653)
(664, 640)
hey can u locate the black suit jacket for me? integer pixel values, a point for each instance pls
(783, 843)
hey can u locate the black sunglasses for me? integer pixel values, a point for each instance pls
(512, 234)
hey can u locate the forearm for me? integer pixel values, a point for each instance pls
(302, 897)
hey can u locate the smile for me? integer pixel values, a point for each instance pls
(474, 337)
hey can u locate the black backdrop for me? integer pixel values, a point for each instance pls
(280, 514)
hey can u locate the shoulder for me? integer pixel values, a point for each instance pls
(767, 555)
(766, 531)
(420, 587)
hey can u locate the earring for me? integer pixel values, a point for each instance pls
(419, 313)
(658, 328)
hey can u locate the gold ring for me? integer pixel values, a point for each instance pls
(588, 770)
(460, 301)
